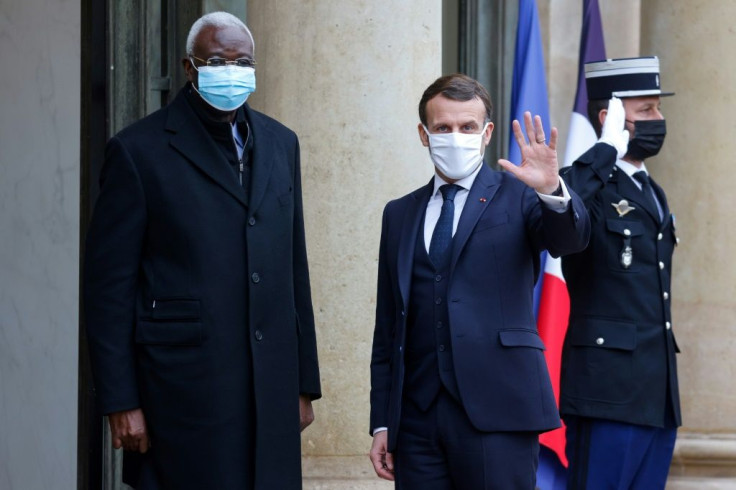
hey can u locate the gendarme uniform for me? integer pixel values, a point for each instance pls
(619, 353)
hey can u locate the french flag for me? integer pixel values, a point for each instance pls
(552, 302)
(554, 305)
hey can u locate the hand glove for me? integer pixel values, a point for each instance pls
(613, 132)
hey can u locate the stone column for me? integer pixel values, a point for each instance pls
(694, 40)
(39, 247)
(347, 76)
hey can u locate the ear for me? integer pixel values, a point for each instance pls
(487, 134)
(602, 116)
(423, 134)
(189, 70)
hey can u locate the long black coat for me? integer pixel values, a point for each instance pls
(619, 353)
(198, 304)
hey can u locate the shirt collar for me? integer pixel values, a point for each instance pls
(630, 168)
(465, 183)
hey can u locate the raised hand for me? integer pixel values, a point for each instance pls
(539, 167)
(613, 132)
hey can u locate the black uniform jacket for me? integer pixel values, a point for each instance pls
(198, 305)
(619, 353)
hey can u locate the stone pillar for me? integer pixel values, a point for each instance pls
(347, 76)
(39, 248)
(693, 39)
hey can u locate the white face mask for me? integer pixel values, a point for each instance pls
(456, 155)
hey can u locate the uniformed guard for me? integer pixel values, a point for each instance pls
(619, 394)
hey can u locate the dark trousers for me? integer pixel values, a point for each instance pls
(604, 454)
(439, 449)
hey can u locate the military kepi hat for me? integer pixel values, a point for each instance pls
(623, 77)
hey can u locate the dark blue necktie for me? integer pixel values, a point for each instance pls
(648, 191)
(442, 235)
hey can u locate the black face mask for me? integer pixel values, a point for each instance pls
(647, 140)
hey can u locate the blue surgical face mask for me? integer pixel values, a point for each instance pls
(226, 87)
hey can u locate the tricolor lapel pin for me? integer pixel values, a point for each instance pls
(483, 199)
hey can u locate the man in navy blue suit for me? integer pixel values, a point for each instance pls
(459, 385)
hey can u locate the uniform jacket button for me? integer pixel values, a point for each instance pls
(251, 221)
(667, 325)
(600, 341)
(661, 265)
(258, 335)
(659, 236)
(255, 277)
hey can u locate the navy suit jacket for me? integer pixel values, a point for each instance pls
(498, 356)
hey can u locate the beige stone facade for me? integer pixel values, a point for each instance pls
(347, 76)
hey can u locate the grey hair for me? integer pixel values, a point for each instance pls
(219, 20)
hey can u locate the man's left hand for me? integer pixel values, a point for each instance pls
(306, 412)
(539, 167)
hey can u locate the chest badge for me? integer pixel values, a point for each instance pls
(622, 207)
(627, 255)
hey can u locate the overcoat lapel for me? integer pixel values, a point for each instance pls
(191, 139)
(263, 155)
(481, 193)
(413, 217)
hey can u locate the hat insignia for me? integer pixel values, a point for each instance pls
(622, 207)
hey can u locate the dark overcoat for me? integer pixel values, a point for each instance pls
(198, 305)
(498, 356)
(619, 352)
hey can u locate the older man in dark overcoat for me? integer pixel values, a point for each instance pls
(197, 296)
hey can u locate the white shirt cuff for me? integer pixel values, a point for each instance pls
(557, 203)
(379, 429)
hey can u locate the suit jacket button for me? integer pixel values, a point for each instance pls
(659, 236)
(258, 335)
(442, 348)
(667, 325)
(666, 295)
(661, 265)
(251, 221)
(255, 277)
(600, 341)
